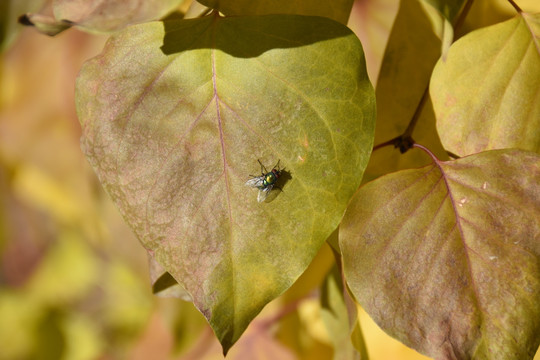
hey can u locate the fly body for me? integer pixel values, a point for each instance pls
(265, 182)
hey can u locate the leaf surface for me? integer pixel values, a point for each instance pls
(338, 10)
(446, 258)
(486, 95)
(175, 116)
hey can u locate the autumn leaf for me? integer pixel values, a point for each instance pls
(98, 16)
(446, 258)
(175, 116)
(485, 95)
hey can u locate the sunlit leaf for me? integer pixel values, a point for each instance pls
(489, 12)
(175, 116)
(338, 10)
(446, 258)
(486, 93)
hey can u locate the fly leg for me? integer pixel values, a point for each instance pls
(263, 168)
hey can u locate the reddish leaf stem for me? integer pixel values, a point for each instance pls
(432, 155)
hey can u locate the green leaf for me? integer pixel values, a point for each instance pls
(338, 10)
(446, 258)
(485, 95)
(175, 116)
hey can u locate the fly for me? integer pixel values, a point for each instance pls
(265, 182)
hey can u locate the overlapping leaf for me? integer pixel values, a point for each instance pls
(103, 15)
(446, 258)
(99, 15)
(486, 94)
(175, 116)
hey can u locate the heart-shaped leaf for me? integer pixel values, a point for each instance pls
(175, 116)
(446, 258)
(485, 95)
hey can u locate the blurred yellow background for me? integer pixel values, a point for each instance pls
(74, 280)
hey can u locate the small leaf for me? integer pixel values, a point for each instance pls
(446, 258)
(175, 116)
(485, 95)
(338, 10)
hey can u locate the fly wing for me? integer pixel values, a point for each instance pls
(263, 193)
(255, 182)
